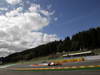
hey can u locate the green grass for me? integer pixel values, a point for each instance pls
(34, 61)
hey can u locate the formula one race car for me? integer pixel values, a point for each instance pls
(54, 64)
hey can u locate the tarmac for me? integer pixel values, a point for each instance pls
(89, 67)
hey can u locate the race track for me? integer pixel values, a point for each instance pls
(10, 71)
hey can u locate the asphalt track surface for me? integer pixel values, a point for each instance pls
(7, 71)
